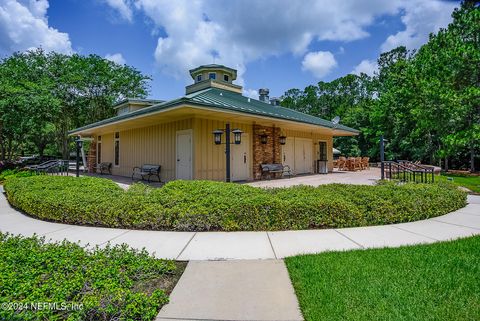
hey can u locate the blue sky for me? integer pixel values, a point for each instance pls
(276, 44)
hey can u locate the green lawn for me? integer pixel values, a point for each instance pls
(470, 182)
(425, 282)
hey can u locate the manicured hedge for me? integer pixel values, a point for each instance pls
(114, 283)
(207, 205)
(9, 173)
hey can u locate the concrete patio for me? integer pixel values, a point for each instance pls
(364, 177)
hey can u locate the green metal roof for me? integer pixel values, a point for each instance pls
(227, 101)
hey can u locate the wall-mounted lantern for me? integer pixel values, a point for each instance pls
(282, 139)
(237, 136)
(263, 138)
(217, 136)
(237, 139)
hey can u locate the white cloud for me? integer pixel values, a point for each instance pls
(420, 19)
(319, 63)
(237, 32)
(366, 66)
(116, 58)
(24, 25)
(252, 93)
(122, 7)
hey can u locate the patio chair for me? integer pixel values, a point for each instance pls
(358, 164)
(351, 163)
(342, 163)
(365, 162)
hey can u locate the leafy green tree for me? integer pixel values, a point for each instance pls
(44, 95)
(426, 102)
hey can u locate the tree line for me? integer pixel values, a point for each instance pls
(44, 95)
(425, 102)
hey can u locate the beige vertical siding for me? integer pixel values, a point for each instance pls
(210, 158)
(148, 145)
(156, 145)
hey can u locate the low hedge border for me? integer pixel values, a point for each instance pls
(218, 206)
(112, 283)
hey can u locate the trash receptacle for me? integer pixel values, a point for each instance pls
(322, 167)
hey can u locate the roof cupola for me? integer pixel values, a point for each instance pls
(213, 75)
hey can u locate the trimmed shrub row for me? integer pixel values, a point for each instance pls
(9, 173)
(113, 283)
(217, 206)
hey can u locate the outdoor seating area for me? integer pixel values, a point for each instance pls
(352, 163)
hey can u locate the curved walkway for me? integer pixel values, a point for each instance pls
(252, 245)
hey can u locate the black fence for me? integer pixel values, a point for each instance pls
(407, 171)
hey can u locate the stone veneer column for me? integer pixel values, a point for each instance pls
(265, 153)
(92, 157)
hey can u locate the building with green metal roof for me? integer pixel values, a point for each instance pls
(178, 134)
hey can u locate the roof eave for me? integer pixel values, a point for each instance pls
(186, 100)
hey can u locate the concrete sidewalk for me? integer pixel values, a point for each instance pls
(233, 290)
(252, 245)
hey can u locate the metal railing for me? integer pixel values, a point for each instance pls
(407, 171)
(58, 167)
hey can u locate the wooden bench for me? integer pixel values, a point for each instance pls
(147, 171)
(275, 168)
(105, 168)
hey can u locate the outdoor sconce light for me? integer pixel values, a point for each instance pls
(237, 136)
(217, 136)
(282, 139)
(263, 138)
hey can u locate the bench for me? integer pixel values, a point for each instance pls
(105, 168)
(147, 171)
(276, 168)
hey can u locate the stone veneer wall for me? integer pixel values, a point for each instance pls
(265, 153)
(92, 157)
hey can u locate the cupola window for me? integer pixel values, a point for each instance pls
(212, 75)
(199, 78)
(225, 78)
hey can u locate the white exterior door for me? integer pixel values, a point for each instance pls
(288, 153)
(184, 154)
(239, 160)
(303, 155)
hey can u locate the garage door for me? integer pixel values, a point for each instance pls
(303, 156)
